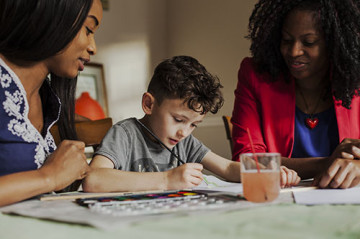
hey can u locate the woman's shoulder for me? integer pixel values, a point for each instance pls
(248, 67)
(249, 70)
(247, 62)
(249, 73)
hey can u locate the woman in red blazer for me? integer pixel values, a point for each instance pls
(298, 94)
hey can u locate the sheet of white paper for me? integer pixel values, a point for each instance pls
(328, 196)
(212, 183)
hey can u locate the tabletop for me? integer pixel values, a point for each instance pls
(278, 220)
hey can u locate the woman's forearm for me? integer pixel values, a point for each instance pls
(306, 167)
(19, 186)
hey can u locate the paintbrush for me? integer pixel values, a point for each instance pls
(159, 141)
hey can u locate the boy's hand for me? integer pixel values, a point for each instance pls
(185, 176)
(288, 177)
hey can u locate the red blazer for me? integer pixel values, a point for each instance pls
(268, 109)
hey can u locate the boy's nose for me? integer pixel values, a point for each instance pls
(181, 133)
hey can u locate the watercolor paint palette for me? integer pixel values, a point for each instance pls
(156, 203)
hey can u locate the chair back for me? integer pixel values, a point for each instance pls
(90, 132)
(228, 129)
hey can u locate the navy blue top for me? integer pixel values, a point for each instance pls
(320, 141)
(22, 147)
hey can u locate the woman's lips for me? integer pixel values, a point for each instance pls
(81, 67)
(297, 65)
(82, 63)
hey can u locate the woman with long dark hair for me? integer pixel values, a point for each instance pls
(43, 46)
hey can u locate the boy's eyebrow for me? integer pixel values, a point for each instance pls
(95, 19)
(187, 118)
(198, 121)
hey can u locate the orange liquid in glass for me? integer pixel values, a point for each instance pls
(260, 187)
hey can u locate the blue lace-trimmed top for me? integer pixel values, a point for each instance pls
(22, 147)
(320, 141)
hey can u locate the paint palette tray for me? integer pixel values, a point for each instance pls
(157, 203)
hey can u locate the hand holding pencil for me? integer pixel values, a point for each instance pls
(188, 175)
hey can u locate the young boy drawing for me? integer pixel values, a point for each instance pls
(158, 152)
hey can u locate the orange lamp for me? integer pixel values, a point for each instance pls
(88, 107)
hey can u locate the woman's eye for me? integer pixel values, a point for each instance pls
(285, 41)
(194, 125)
(88, 31)
(178, 120)
(308, 43)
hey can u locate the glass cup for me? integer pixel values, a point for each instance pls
(260, 183)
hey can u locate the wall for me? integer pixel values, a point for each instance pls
(213, 32)
(136, 35)
(130, 42)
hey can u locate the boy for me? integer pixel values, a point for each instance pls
(158, 152)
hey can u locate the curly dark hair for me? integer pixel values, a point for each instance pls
(183, 77)
(339, 21)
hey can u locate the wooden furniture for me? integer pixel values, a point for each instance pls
(90, 132)
(228, 129)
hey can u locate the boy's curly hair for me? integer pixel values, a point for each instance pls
(339, 21)
(183, 77)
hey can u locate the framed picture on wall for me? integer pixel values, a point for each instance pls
(91, 80)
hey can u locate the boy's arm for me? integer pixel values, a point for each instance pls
(230, 170)
(225, 168)
(104, 178)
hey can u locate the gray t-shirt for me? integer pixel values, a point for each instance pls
(130, 149)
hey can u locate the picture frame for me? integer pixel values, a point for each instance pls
(92, 80)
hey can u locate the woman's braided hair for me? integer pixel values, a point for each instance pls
(339, 21)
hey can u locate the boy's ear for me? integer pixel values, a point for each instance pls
(148, 101)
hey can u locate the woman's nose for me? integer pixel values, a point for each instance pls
(92, 47)
(296, 49)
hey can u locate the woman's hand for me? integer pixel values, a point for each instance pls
(65, 165)
(288, 177)
(347, 149)
(342, 173)
(342, 170)
(187, 175)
